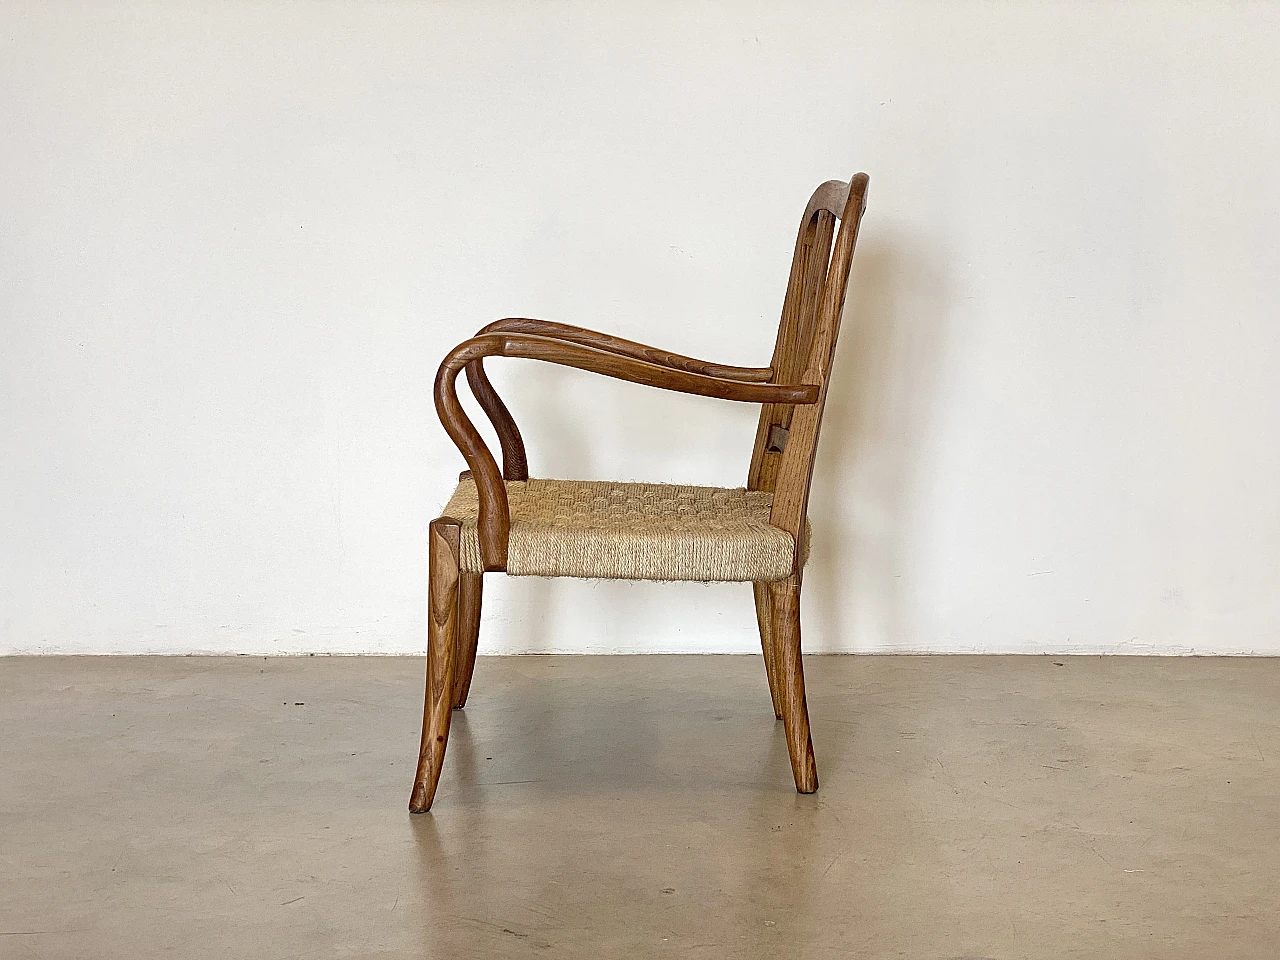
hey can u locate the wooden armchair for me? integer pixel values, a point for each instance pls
(501, 520)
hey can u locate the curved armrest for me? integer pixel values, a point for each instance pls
(515, 464)
(495, 513)
(622, 367)
(626, 348)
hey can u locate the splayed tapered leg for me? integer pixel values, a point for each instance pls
(784, 598)
(442, 628)
(469, 596)
(764, 617)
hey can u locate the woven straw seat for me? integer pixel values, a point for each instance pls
(631, 531)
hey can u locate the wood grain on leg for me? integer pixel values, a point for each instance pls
(784, 597)
(469, 595)
(442, 626)
(764, 617)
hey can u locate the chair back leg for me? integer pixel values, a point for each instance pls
(764, 617)
(469, 596)
(784, 598)
(442, 628)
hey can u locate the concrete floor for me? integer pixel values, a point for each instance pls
(634, 807)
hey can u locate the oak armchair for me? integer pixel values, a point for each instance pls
(501, 520)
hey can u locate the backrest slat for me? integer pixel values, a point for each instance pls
(795, 331)
(805, 347)
(819, 258)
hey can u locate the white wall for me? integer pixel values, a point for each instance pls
(236, 239)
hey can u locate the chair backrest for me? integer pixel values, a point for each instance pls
(787, 437)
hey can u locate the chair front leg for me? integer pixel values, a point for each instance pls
(442, 627)
(784, 598)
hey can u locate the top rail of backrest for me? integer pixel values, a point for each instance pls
(830, 196)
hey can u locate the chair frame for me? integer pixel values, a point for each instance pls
(792, 391)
